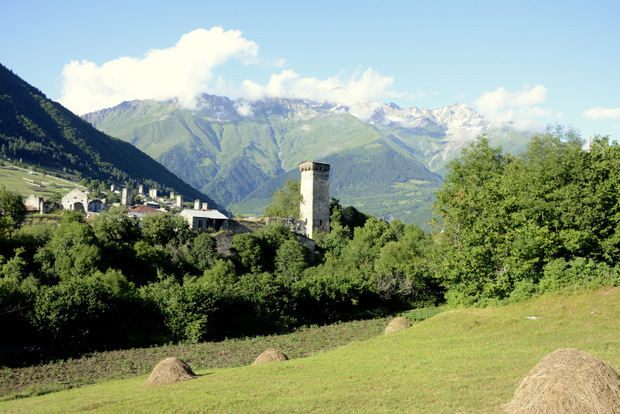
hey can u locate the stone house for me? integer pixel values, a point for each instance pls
(204, 219)
(79, 201)
(35, 203)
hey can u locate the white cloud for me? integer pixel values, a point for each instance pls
(518, 109)
(182, 71)
(602, 113)
(244, 109)
(366, 86)
(186, 70)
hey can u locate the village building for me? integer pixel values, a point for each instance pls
(141, 211)
(205, 219)
(79, 201)
(125, 197)
(36, 204)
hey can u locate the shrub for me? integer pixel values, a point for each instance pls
(183, 309)
(83, 313)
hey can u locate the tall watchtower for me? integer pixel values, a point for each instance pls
(314, 208)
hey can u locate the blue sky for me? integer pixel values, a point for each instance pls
(531, 63)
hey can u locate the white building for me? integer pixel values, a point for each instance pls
(204, 219)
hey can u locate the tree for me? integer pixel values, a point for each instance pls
(285, 201)
(203, 252)
(467, 221)
(348, 217)
(503, 223)
(71, 252)
(12, 211)
(84, 312)
(184, 308)
(248, 253)
(163, 229)
(291, 259)
(114, 226)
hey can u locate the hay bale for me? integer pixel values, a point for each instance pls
(397, 324)
(169, 371)
(568, 381)
(270, 355)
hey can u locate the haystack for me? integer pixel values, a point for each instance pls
(397, 324)
(270, 355)
(568, 381)
(168, 371)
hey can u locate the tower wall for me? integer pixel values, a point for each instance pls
(314, 208)
(125, 197)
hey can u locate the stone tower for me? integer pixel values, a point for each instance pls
(125, 197)
(314, 208)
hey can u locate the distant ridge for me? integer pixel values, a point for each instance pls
(387, 161)
(44, 133)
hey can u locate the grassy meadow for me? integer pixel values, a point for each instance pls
(97, 367)
(27, 182)
(465, 360)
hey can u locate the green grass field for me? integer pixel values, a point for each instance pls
(27, 182)
(468, 361)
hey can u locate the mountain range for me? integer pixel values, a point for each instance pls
(41, 132)
(385, 160)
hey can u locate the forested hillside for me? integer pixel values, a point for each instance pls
(38, 131)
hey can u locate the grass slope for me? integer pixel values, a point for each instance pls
(26, 182)
(469, 360)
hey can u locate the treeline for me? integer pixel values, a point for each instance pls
(71, 286)
(509, 227)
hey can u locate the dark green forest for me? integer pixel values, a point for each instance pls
(505, 228)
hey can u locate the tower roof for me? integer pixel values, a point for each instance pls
(313, 165)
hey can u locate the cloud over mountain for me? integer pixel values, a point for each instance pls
(185, 70)
(181, 71)
(366, 86)
(518, 109)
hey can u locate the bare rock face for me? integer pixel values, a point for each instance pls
(169, 371)
(270, 355)
(397, 324)
(568, 381)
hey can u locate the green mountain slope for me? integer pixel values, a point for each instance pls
(42, 132)
(240, 152)
(375, 178)
(239, 159)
